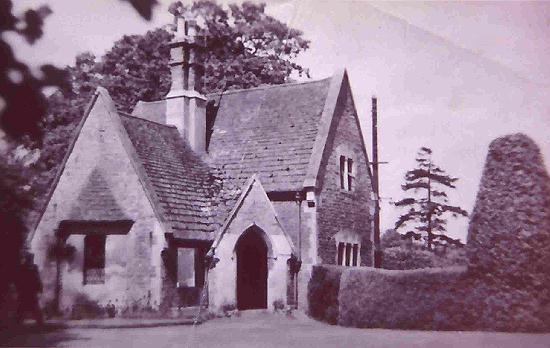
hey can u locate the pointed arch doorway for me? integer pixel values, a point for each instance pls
(251, 250)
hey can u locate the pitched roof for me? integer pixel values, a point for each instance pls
(268, 131)
(181, 181)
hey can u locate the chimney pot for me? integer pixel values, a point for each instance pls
(185, 105)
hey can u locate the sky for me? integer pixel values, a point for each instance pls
(449, 75)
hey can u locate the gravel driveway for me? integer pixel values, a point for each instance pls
(270, 330)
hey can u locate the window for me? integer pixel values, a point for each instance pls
(341, 247)
(355, 254)
(342, 172)
(350, 174)
(191, 267)
(94, 259)
(347, 173)
(348, 254)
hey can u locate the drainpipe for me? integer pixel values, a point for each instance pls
(299, 199)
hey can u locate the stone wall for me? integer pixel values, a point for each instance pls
(133, 263)
(339, 210)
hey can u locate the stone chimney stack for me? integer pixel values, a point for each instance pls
(185, 105)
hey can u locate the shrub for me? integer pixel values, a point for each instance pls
(278, 305)
(391, 238)
(395, 299)
(407, 257)
(323, 291)
(85, 308)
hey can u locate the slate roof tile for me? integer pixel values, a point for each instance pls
(268, 131)
(182, 182)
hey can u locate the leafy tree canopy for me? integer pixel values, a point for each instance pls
(428, 206)
(23, 103)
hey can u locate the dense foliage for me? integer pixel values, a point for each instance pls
(398, 299)
(401, 253)
(322, 292)
(429, 204)
(509, 232)
(425, 299)
(22, 105)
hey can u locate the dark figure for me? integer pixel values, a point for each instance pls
(28, 286)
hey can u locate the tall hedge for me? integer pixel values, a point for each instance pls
(509, 232)
(323, 289)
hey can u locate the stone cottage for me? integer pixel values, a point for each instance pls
(232, 191)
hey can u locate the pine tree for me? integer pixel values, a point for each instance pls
(428, 206)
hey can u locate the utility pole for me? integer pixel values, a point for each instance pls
(375, 184)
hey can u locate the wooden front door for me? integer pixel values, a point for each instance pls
(251, 271)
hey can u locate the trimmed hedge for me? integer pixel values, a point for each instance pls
(509, 231)
(323, 289)
(412, 299)
(425, 299)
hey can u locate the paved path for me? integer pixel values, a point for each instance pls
(262, 330)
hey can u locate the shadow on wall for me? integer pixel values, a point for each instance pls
(505, 285)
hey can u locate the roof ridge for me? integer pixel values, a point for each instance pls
(150, 102)
(144, 119)
(263, 87)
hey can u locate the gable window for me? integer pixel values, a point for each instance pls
(348, 254)
(347, 173)
(342, 172)
(94, 259)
